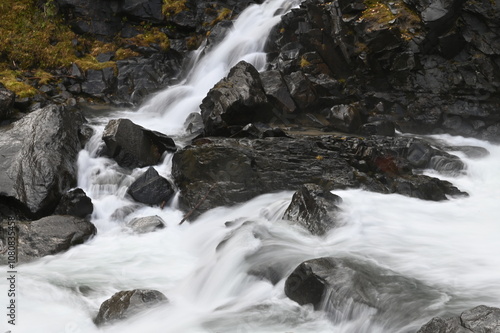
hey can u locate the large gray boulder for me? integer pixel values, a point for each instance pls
(133, 146)
(125, 304)
(39, 154)
(315, 208)
(481, 319)
(47, 236)
(235, 101)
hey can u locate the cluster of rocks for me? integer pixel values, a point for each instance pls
(421, 66)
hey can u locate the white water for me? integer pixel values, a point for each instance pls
(450, 246)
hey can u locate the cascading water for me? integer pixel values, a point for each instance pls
(203, 267)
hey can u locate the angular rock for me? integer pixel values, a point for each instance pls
(480, 319)
(345, 118)
(151, 189)
(314, 208)
(260, 131)
(235, 101)
(146, 224)
(75, 203)
(7, 99)
(143, 10)
(133, 146)
(439, 325)
(39, 154)
(382, 127)
(125, 304)
(276, 89)
(301, 90)
(47, 236)
(341, 286)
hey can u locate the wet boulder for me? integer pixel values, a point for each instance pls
(314, 208)
(343, 286)
(235, 101)
(125, 304)
(476, 320)
(47, 236)
(7, 99)
(75, 203)
(276, 89)
(151, 189)
(39, 154)
(133, 146)
(146, 224)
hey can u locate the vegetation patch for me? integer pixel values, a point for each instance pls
(172, 7)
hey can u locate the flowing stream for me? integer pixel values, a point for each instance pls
(452, 247)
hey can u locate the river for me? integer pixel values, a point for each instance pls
(450, 246)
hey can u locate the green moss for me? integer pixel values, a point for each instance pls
(12, 80)
(152, 36)
(224, 14)
(90, 62)
(304, 62)
(172, 7)
(32, 37)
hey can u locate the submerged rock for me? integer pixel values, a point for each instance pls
(476, 320)
(314, 208)
(146, 224)
(47, 236)
(125, 304)
(39, 154)
(133, 146)
(343, 286)
(151, 189)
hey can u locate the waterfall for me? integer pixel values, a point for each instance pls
(204, 267)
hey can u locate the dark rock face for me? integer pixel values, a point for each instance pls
(7, 99)
(341, 286)
(477, 320)
(314, 208)
(240, 169)
(235, 101)
(151, 189)
(47, 236)
(426, 67)
(143, 10)
(139, 77)
(75, 203)
(125, 304)
(146, 224)
(39, 155)
(133, 146)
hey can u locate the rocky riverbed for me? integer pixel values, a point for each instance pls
(347, 88)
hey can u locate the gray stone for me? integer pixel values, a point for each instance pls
(151, 189)
(314, 208)
(134, 146)
(146, 224)
(48, 236)
(125, 304)
(39, 154)
(235, 101)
